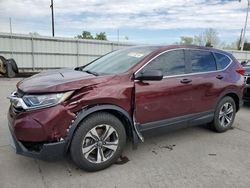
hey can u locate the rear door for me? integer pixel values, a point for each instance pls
(168, 98)
(207, 80)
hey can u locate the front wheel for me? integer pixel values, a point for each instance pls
(98, 142)
(224, 115)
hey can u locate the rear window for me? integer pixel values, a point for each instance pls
(222, 60)
(202, 61)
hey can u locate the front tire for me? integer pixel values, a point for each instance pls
(224, 115)
(98, 142)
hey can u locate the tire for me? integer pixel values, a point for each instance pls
(91, 138)
(2, 65)
(13, 64)
(9, 71)
(224, 115)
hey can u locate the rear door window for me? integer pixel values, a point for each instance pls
(202, 61)
(222, 60)
(170, 63)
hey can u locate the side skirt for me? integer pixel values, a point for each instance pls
(179, 122)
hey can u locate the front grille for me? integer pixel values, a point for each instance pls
(15, 105)
(17, 110)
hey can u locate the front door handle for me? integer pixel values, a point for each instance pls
(186, 81)
(219, 77)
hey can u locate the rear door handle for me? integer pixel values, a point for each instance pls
(186, 81)
(219, 77)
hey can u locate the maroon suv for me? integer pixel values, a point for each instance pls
(91, 111)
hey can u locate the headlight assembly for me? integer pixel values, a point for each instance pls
(39, 101)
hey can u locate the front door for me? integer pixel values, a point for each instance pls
(169, 98)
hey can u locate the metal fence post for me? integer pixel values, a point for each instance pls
(77, 52)
(112, 46)
(32, 53)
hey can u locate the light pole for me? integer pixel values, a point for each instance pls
(245, 27)
(52, 17)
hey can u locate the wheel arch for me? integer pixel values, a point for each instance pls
(236, 100)
(117, 111)
(235, 97)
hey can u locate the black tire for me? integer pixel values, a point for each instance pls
(217, 124)
(9, 71)
(3, 62)
(14, 65)
(88, 124)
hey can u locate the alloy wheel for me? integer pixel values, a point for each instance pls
(100, 143)
(226, 114)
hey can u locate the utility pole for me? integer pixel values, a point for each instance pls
(245, 27)
(239, 44)
(10, 26)
(52, 17)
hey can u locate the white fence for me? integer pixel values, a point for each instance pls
(35, 53)
(240, 55)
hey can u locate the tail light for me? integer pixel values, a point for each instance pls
(241, 70)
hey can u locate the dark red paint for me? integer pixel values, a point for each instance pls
(155, 100)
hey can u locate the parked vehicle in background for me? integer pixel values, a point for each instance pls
(8, 67)
(92, 110)
(246, 96)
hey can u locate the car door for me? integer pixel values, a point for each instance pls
(167, 98)
(206, 79)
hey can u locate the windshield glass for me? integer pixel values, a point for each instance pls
(118, 61)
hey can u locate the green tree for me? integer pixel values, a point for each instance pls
(85, 35)
(199, 39)
(101, 36)
(211, 37)
(208, 38)
(34, 34)
(186, 40)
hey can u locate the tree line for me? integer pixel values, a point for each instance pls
(88, 35)
(208, 38)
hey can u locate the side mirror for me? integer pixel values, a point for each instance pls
(150, 75)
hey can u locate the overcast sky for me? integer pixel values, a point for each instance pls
(144, 21)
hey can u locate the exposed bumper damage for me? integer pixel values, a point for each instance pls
(44, 151)
(38, 137)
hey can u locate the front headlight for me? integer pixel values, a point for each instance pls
(36, 101)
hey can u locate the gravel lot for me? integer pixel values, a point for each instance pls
(192, 157)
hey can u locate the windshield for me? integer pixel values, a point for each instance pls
(118, 61)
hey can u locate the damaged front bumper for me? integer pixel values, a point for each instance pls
(47, 151)
(36, 145)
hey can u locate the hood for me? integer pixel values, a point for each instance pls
(59, 81)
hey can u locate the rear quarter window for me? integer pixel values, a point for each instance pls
(222, 60)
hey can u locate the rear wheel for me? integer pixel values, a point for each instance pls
(98, 142)
(224, 115)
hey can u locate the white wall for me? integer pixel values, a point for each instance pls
(35, 53)
(38, 53)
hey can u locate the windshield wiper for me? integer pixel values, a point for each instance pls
(91, 72)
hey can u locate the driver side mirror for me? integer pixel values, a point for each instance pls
(149, 75)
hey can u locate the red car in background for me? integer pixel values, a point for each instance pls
(246, 96)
